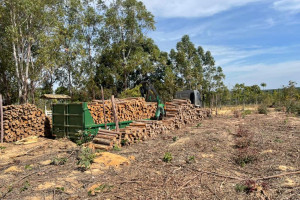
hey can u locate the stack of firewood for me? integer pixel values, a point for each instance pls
(21, 121)
(128, 109)
(179, 113)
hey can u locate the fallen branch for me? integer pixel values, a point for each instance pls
(276, 176)
(244, 179)
(216, 174)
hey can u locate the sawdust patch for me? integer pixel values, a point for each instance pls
(47, 185)
(181, 141)
(289, 183)
(267, 151)
(285, 168)
(13, 169)
(28, 140)
(203, 155)
(46, 162)
(107, 160)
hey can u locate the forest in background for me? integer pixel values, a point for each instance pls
(76, 46)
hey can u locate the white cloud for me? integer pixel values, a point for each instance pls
(191, 8)
(225, 55)
(292, 6)
(275, 75)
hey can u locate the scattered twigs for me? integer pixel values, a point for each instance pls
(244, 179)
(276, 176)
(216, 174)
(180, 188)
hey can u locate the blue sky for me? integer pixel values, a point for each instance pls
(254, 41)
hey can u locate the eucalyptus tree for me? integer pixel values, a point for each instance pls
(26, 24)
(188, 63)
(126, 24)
(70, 33)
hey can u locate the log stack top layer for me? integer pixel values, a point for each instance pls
(128, 109)
(21, 121)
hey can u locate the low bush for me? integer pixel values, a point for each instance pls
(262, 109)
(86, 158)
(167, 157)
(245, 156)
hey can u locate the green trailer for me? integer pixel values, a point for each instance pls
(71, 120)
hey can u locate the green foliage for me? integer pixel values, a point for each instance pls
(167, 157)
(191, 159)
(2, 148)
(25, 186)
(199, 125)
(116, 148)
(28, 167)
(240, 188)
(175, 138)
(83, 138)
(246, 156)
(246, 112)
(134, 92)
(86, 158)
(278, 140)
(124, 142)
(58, 161)
(61, 189)
(262, 109)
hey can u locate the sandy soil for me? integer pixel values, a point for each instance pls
(203, 165)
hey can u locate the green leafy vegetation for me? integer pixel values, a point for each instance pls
(175, 138)
(25, 186)
(262, 109)
(167, 157)
(86, 158)
(191, 159)
(28, 167)
(2, 148)
(240, 188)
(116, 148)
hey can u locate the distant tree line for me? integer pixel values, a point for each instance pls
(76, 46)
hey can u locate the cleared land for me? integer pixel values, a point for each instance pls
(203, 166)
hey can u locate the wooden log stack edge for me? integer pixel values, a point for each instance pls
(21, 121)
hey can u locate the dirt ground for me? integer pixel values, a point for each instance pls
(203, 165)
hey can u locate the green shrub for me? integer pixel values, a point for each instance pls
(175, 138)
(262, 109)
(240, 188)
(25, 186)
(246, 156)
(86, 158)
(246, 112)
(293, 107)
(167, 157)
(116, 148)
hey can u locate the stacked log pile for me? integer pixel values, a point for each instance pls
(179, 114)
(128, 109)
(106, 139)
(21, 121)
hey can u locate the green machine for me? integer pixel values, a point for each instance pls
(150, 94)
(70, 119)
